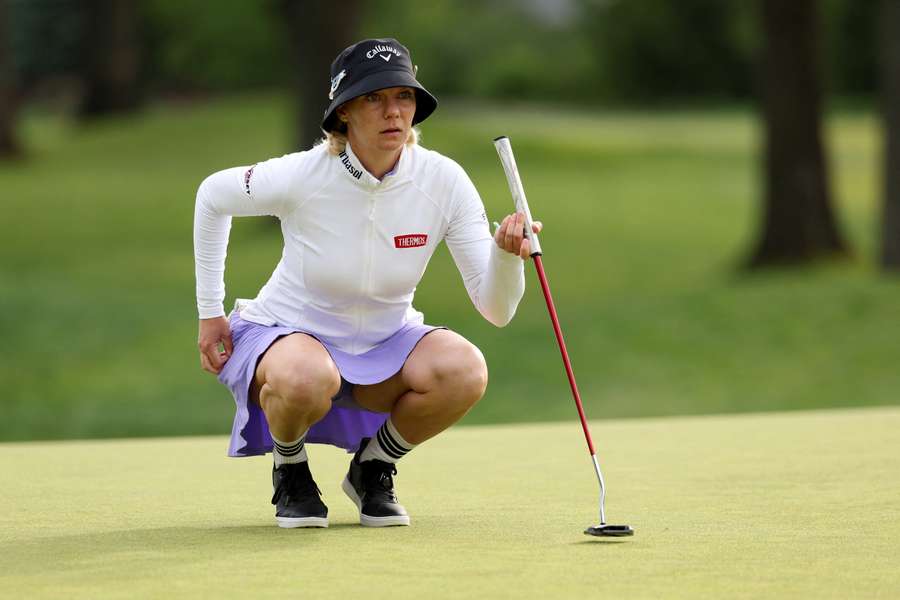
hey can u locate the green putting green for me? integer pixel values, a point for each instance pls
(802, 504)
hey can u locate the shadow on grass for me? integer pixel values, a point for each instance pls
(164, 545)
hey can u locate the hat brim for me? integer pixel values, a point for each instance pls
(425, 101)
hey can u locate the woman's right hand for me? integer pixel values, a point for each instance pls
(214, 332)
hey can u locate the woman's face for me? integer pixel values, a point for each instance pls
(380, 120)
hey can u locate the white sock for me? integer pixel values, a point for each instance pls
(289, 452)
(387, 445)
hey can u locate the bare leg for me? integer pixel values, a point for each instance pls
(444, 376)
(294, 384)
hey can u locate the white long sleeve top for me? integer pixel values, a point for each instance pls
(355, 247)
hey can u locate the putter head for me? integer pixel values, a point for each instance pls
(609, 531)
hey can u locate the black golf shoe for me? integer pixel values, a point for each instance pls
(296, 498)
(371, 487)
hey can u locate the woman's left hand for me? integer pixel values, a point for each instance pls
(510, 236)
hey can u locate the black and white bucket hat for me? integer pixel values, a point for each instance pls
(372, 65)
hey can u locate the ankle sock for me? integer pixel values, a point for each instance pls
(289, 452)
(387, 445)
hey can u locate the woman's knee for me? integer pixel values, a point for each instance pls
(304, 379)
(463, 370)
(300, 384)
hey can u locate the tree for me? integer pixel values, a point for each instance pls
(799, 225)
(112, 52)
(890, 98)
(318, 31)
(9, 145)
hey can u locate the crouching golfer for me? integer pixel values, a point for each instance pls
(331, 350)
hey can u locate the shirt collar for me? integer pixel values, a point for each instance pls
(356, 171)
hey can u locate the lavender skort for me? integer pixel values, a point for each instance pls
(346, 423)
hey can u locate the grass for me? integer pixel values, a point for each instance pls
(648, 216)
(789, 505)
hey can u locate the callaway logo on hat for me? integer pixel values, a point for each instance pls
(372, 65)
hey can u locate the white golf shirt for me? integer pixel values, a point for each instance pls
(355, 247)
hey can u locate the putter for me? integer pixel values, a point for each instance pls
(504, 149)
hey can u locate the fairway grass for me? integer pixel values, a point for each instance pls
(647, 216)
(793, 505)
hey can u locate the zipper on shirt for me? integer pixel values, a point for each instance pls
(366, 283)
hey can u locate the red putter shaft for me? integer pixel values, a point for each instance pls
(545, 286)
(504, 151)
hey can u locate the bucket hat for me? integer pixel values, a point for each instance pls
(371, 65)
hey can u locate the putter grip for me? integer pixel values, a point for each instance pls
(508, 160)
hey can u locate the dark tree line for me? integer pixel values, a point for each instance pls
(317, 32)
(111, 69)
(889, 31)
(9, 143)
(107, 61)
(798, 223)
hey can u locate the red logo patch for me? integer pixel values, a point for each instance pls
(411, 240)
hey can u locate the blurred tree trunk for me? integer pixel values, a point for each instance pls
(9, 144)
(318, 31)
(890, 98)
(112, 57)
(799, 225)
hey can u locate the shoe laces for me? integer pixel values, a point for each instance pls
(296, 483)
(378, 478)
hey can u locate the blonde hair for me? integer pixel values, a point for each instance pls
(336, 141)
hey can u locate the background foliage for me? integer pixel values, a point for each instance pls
(649, 211)
(647, 216)
(574, 51)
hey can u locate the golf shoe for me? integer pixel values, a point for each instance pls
(370, 485)
(296, 498)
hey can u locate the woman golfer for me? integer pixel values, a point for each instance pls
(331, 350)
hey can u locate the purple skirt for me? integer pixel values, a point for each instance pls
(346, 423)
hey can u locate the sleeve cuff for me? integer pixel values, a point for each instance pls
(211, 312)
